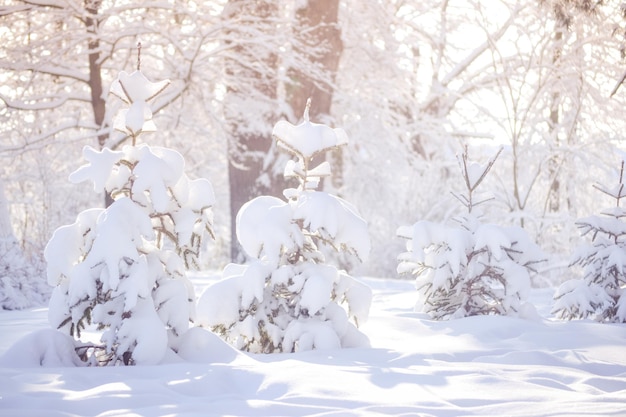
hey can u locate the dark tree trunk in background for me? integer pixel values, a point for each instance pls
(252, 71)
(554, 194)
(321, 17)
(6, 230)
(252, 68)
(98, 103)
(565, 13)
(318, 28)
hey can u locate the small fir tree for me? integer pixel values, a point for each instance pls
(288, 298)
(599, 295)
(473, 268)
(122, 268)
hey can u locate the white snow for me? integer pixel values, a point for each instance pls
(98, 169)
(482, 365)
(146, 332)
(335, 220)
(264, 228)
(308, 139)
(317, 287)
(136, 90)
(44, 347)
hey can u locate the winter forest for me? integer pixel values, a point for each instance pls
(417, 205)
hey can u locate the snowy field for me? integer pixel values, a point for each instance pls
(496, 366)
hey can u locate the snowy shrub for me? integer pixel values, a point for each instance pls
(600, 293)
(288, 298)
(21, 285)
(122, 268)
(473, 268)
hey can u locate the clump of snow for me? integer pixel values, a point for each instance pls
(335, 221)
(288, 298)
(136, 91)
(42, 348)
(122, 269)
(203, 346)
(265, 228)
(308, 139)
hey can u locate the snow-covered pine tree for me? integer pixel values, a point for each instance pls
(599, 294)
(473, 268)
(289, 298)
(122, 268)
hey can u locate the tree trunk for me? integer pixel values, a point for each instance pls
(318, 28)
(554, 193)
(247, 149)
(6, 230)
(98, 104)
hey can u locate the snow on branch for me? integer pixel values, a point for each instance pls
(617, 192)
(307, 139)
(135, 90)
(473, 175)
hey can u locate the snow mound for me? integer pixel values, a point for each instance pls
(42, 348)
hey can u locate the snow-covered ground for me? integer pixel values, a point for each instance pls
(497, 366)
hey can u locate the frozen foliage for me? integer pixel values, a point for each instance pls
(135, 90)
(471, 269)
(21, 285)
(465, 271)
(123, 268)
(600, 293)
(288, 298)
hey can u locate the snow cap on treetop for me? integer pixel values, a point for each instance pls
(135, 87)
(136, 90)
(308, 139)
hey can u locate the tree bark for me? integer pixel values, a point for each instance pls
(98, 104)
(6, 231)
(319, 28)
(554, 192)
(247, 148)
(322, 30)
